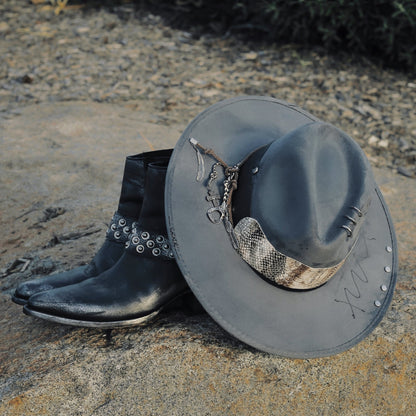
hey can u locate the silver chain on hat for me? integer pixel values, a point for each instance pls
(221, 212)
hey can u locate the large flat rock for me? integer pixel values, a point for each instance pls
(71, 156)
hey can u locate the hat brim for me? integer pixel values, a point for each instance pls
(292, 323)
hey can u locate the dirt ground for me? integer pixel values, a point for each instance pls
(118, 52)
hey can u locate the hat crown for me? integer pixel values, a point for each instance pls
(309, 191)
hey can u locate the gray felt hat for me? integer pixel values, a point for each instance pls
(279, 228)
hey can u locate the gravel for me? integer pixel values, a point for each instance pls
(122, 53)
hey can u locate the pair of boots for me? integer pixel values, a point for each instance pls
(133, 275)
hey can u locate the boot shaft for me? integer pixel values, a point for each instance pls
(134, 179)
(152, 216)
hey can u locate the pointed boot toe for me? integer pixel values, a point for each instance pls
(71, 305)
(49, 302)
(26, 289)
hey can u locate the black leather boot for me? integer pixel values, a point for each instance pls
(136, 288)
(129, 207)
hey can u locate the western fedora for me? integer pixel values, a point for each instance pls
(279, 228)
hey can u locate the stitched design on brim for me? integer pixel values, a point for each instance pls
(259, 253)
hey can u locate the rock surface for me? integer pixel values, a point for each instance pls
(116, 51)
(61, 166)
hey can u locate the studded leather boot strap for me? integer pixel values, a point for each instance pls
(150, 245)
(119, 229)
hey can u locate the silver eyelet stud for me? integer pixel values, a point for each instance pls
(140, 248)
(389, 249)
(160, 239)
(135, 240)
(117, 235)
(387, 269)
(377, 303)
(383, 288)
(150, 244)
(113, 227)
(255, 170)
(156, 251)
(171, 255)
(166, 246)
(145, 235)
(121, 222)
(126, 230)
(127, 245)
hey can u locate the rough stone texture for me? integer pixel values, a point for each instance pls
(116, 51)
(70, 156)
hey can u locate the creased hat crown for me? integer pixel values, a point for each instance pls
(309, 191)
